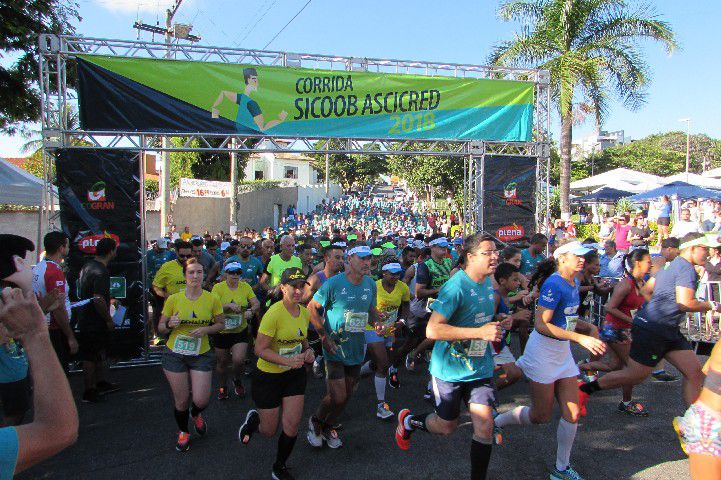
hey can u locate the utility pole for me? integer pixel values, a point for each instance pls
(233, 186)
(181, 32)
(327, 175)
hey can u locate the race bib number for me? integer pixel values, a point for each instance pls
(232, 321)
(185, 345)
(571, 321)
(391, 320)
(289, 352)
(355, 322)
(477, 348)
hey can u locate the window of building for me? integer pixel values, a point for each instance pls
(290, 172)
(259, 175)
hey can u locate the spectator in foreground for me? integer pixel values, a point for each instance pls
(55, 424)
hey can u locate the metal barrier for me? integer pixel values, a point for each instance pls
(704, 327)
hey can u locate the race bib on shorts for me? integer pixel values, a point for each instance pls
(185, 345)
(355, 322)
(477, 348)
(232, 321)
(571, 321)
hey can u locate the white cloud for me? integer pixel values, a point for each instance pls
(133, 6)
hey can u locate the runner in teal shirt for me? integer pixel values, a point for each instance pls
(533, 255)
(464, 303)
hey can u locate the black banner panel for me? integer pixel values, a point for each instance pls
(509, 197)
(99, 194)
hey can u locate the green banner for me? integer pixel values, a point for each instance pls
(296, 102)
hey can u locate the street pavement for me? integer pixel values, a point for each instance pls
(132, 436)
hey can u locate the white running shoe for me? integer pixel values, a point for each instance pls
(314, 437)
(331, 438)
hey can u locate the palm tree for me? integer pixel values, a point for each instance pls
(591, 48)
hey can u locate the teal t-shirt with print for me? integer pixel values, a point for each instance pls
(346, 310)
(529, 262)
(8, 452)
(464, 303)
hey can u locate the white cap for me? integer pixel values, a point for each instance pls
(162, 242)
(576, 248)
(224, 246)
(360, 250)
(392, 267)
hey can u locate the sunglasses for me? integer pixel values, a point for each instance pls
(247, 247)
(185, 256)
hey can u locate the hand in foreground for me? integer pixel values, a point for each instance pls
(21, 314)
(593, 345)
(490, 332)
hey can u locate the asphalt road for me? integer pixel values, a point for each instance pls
(132, 436)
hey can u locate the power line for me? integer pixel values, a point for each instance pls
(289, 22)
(257, 22)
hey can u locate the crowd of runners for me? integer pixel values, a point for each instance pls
(370, 288)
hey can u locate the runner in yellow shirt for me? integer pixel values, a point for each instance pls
(392, 297)
(240, 305)
(170, 278)
(282, 350)
(189, 317)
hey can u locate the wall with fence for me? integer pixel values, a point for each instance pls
(311, 195)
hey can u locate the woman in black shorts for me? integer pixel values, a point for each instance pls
(282, 349)
(189, 316)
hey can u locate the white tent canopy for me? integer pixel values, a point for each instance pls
(694, 179)
(621, 179)
(18, 187)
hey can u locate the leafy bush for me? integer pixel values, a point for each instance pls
(587, 230)
(152, 186)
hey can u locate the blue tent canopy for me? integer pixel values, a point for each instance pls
(682, 190)
(603, 195)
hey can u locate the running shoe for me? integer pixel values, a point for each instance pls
(239, 389)
(633, 408)
(664, 376)
(183, 444)
(582, 400)
(318, 367)
(393, 381)
(201, 427)
(106, 387)
(403, 435)
(411, 362)
(337, 427)
(331, 438)
(314, 434)
(567, 474)
(384, 411)
(281, 473)
(222, 394)
(249, 427)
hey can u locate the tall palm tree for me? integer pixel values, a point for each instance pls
(591, 48)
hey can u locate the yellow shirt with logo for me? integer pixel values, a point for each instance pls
(391, 302)
(170, 277)
(240, 296)
(193, 314)
(287, 332)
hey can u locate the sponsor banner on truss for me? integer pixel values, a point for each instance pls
(509, 197)
(157, 95)
(99, 192)
(193, 187)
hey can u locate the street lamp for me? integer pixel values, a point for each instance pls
(688, 143)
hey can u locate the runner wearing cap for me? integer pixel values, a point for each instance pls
(280, 380)
(547, 360)
(392, 298)
(462, 362)
(431, 275)
(189, 317)
(347, 302)
(655, 332)
(332, 265)
(239, 305)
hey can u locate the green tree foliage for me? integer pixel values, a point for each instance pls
(442, 174)
(349, 170)
(181, 163)
(592, 51)
(662, 154)
(22, 21)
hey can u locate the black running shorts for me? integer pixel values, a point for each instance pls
(648, 347)
(269, 389)
(449, 395)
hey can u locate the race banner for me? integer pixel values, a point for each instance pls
(193, 187)
(99, 194)
(509, 197)
(158, 95)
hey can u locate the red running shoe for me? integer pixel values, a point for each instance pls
(201, 428)
(183, 444)
(403, 435)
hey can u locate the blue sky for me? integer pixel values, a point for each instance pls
(460, 31)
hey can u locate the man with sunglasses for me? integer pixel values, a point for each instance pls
(252, 267)
(170, 278)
